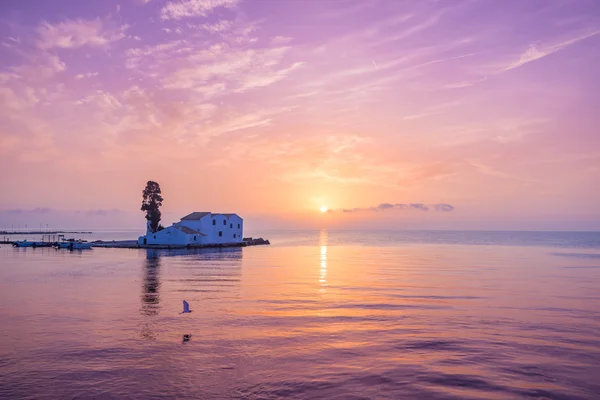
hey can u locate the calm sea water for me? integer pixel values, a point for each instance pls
(316, 315)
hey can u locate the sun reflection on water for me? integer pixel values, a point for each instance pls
(323, 259)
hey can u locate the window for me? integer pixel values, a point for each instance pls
(224, 222)
(194, 237)
(234, 235)
(214, 221)
(231, 225)
(154, 236)
(220, 233)
(238, 226)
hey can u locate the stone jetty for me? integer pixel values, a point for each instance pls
(133, 244)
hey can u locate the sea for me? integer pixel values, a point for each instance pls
(318, 314)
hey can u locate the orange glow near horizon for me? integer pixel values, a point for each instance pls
(274, 122)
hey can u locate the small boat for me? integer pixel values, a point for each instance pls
(42, 244)
(23, 243)
(80, 245)
(63, 244)
(72, 244)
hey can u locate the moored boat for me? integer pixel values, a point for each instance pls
(62, 245)
(23, 243)
(72, 244)
(80, 245)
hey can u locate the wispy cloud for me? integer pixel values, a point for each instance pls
(408, 31)
(432, 110)
(464, 84)
(41, 66)
(535, 52)
(103, 212)
(281, 39)
(193, 8)
(332, 100)
(86, 75)
(37, 210)
(487, 170)
(78, 33)
(345, 10)
(419, 116)
(238, 70)
(441, 207)
(218, 27)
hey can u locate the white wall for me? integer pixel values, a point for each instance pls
(168, 236)
(228, 226)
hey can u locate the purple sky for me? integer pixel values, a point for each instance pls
(273, 109)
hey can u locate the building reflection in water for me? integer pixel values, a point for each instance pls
(150, 296)
(323, 259)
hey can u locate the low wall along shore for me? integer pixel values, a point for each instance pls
(133, 244)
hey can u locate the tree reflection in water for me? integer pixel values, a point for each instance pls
(150, 296)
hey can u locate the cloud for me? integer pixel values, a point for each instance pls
(103, 213)
(432, 110)
(263, 78)
(433, 171)
(464, 84)
(444, 207)
(419, 116)
(13, 101)
(102, 100)
(238, 70)
(37, 210)
(341, 11)
(77, 33)
(487, 170)
(281, 39)
(410, 31)
(441, 207)
(261, 117)
(534, 52)
(151, 56)
(41, 66)
(193, 8)
(218, 27)
(86, 75)
(6, 77)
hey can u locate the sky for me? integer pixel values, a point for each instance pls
(448, 114)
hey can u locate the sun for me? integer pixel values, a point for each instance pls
(323, 209)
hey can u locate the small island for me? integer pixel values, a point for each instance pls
(195, 230)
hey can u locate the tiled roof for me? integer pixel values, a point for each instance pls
(195, 215)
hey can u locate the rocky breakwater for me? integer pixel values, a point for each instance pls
(249, 241)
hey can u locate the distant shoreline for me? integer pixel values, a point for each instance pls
(39, 232)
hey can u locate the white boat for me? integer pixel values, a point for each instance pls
(62, 245)
(72, 244)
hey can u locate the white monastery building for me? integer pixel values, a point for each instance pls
(198, 228)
